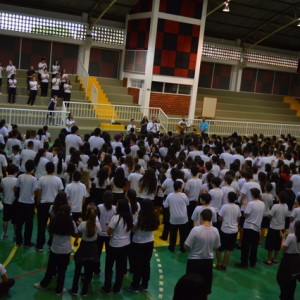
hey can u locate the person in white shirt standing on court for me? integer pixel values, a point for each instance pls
(201, 243)
(177, 203)
(253, 214)
(48, 187)
(229, 215)
(277, 214)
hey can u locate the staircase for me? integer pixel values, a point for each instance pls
(241, 106)
(115, 94)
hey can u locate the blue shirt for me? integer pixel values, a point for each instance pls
(203, 126)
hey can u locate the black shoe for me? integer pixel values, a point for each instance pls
(28, 245)
(182, 250)
(170, 249)
(104, 291)
(163, 238)
(241, 266)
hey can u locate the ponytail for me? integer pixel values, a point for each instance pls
(91, 221)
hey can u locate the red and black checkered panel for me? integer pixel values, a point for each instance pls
(185, 8)
(142, 6)
(295, 85)
(104, 62)
(138, 34)
(282, 83)
(33, 51)
(248, 80)
(206, 74)
(176, 49)
(67, 55)
(9, 49)
(264, 81)
(221, 78)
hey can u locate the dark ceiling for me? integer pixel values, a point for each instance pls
(271, 23)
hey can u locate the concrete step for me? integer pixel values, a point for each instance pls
(256, 109)
(111, 89)
(120, 99)
(242, 101)
(240, 95)
(110, 81)
(261, 117)
(23, 73)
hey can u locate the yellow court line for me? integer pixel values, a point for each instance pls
(10, 256)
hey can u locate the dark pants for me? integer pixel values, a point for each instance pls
(12, 95)
(287, 275)
(203, 267)
(249, 247)
(166, 219)
(44, 89)
(32, 96)
(5, 286)
(88, 274)
(173, 235)
(55, 92)
(101, 241)
(142, 254)
(118, 256)
(25, 213)
(67, 97)
(190, 210)
(42, 218)
(57, 265)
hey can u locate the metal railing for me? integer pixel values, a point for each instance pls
(122, 114)
(222, 127)
(33, 117)
(83, 75)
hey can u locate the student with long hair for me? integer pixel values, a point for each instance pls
(40, 162)
(118, 184)
(102, 182)
(87, 253)
(148, 185)
(62, 227)
(106, 211)
(142, 245)
(289, 268)
(119, 229)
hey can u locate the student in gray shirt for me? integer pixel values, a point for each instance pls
(26, 187)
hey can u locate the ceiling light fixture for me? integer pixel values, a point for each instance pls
(226, 6)
(298, 22)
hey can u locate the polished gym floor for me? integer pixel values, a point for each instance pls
(27, 266)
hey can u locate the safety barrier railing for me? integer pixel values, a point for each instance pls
(33, 117)
(122, 114)
(223, 127)
(116, 113)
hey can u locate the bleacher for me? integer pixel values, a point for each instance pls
(241, 106)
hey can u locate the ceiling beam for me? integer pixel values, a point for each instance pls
(272, 33)
(103, 12)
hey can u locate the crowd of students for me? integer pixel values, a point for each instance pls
(111, 192)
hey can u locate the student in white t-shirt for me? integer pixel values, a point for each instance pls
(177, 203)
(229, 215)
(119, 229)
(205, 200)
(295, 216)
(8, 184)
(87, 253)
(142, 245)
(277, 214)
(201, 243)
(33, 88)
(254, 211)
(288, 271)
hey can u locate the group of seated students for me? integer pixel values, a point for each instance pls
(112, 191)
